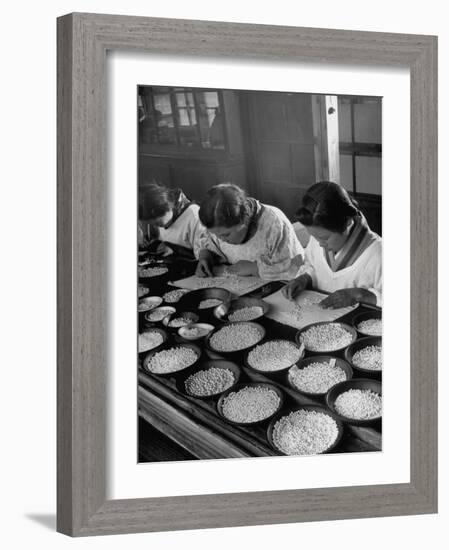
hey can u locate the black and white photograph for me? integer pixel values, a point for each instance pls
(260, 273)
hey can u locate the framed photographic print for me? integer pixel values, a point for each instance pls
(246, 274)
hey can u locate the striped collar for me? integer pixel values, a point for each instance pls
(358, 240)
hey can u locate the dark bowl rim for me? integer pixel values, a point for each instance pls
(199, 337)
(171, 345)
(294, 408)
(154, 309)
(146, 298)
(190, 296)
(347, 420)
(260, 301)
(175, 315)
(162, 331)
(349, 354)
(242, 385)
(264, 341)
(242, 350)
(350, 329)
(207, 364)
(314, 358)
(364, 315)
(164, 275)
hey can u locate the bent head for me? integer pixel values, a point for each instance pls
(328, 212)
(156, 204)
(225, 212)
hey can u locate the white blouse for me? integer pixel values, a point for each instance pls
(272, 247)
(365, 272)
(186, 230)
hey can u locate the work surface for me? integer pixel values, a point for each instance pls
(195, 425)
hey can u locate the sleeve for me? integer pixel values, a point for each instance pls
(207, 241)
(310, 261)
(284, 256)
(373, 275)
(195, 234)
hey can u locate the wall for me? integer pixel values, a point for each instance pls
(28, 275)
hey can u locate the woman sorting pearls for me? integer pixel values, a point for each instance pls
(167, 216)
(245, 237)
(345, 256)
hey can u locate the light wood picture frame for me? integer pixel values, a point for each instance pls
(83, 41)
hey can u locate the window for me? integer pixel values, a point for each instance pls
(181, 119)
(360, 143)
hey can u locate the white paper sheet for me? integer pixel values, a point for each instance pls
(234, 283)
(304, 311)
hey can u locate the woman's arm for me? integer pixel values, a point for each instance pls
(348, 297)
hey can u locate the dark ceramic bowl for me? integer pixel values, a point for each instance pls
(164, 335)
(223, 311)
(366, 316)
(279, 373)
(341, 363)
(239, 387)
(193, 299)
(188, 345)
(209, 337)
(357, 346)
(207, 365)
(345, 326)
(316, 408)
(357, 384)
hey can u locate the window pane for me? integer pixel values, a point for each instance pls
(210, 120)
(188, 131)
(368, 175)
(344, 121)
(368, 121)
(163, 116)
(346, 176)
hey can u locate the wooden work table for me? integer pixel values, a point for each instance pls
(195, 425)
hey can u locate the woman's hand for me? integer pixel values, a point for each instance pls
(220, 270)
(243, 268)
(348, 297)
(294, 288)
(205, 264)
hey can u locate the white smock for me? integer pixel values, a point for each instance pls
(273, 247)
(365, 272)
(186, 230)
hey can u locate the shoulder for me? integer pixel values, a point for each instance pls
(375, 248)
(191, 213)
(272, 214)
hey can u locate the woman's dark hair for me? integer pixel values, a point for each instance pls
(155, 200)
(328, 205)
(225, 205)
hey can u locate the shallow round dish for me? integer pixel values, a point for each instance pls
(223, 311)
(193, 299)
(260, 328)
(357, 346)
(316, 408)
(357, 384)
(142, 291)
(207, 365)
(239, 387)
(366, 316)
(189, 317)
(149, 303)
(345, 326)
(300, 354)
(341, 363)
(159, 331)
(167, 310)
(203, 329)
(166, 347)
